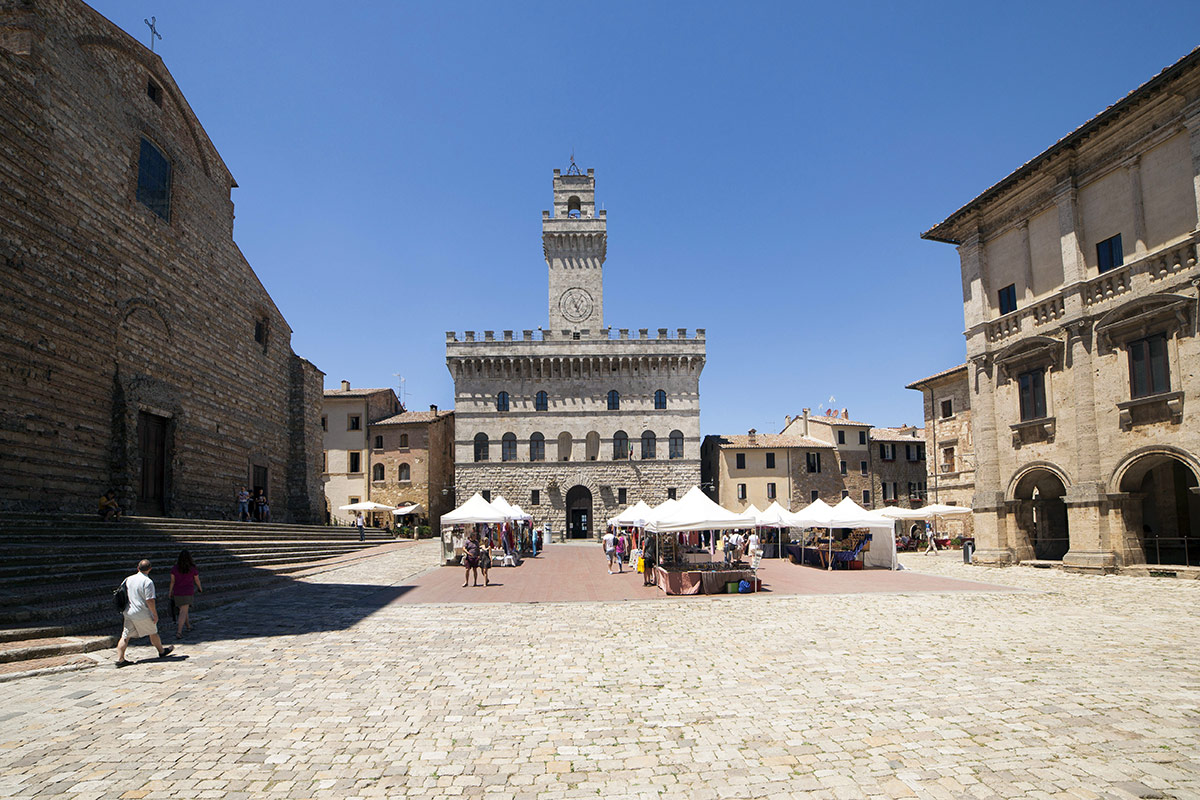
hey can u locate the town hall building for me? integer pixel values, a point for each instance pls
(576, 421)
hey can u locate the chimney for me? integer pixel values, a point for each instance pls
(345, 386)
(787, 420)
(845, 414)
(433, 408)
(805, 430)
(753, 436)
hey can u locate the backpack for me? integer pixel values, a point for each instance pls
(121, 598)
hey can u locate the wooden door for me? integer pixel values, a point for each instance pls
(152, 448)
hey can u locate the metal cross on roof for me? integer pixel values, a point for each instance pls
(153, 31)
(574, 168)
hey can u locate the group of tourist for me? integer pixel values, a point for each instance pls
(621, 548)
(253, 509)
(477, 558)
(140, 615)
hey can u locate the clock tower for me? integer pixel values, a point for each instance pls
(575, 242)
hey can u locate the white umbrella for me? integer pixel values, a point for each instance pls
(366, 505)
(403, 511)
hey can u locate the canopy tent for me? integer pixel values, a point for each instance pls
(928, 512)
(503, 506)
(636, 516)
(696, 512)
(812, 516)
(474, 511)
(404, 511)
(775, 516)
(849, 514)
(519, 514)
(753, 511)
(366, 505)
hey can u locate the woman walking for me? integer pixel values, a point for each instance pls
(185, 582)
(485, 557)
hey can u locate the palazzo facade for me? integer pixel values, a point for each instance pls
(576, 421)
(1080, 278)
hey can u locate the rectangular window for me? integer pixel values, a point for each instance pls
(812, 497)
(947, 408)
(770, 491)
(1031, 387)
(354, 423)
(862, 437)
(1008, 299)
(740, 460)
(154, 180)
(843, 467)
(862, 466)
(378, 442)
(324, 423)
(948, 459)
(841, 437)
(845, 493)
(670, 494)
(1109, 254)
(535, 497)
(154, 92)
(866, 497)
(741, 491)
(1148, 373)
(887, 451)
(355, 461)
(622, 496)
(814, 462)
(910, 453)
(487, 494)
(353, 500)
(770, 461)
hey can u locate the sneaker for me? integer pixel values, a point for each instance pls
(166, 651)
(123, 664)
(610, 572)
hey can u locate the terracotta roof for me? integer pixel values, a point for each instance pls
(936, 375)
(770, 441)
(834, 420)
(414, 416)
(897, 434)
(942, 233)
(353, 392)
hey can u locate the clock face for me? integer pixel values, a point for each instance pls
(576, 304)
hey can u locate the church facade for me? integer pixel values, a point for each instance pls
(138, 349)
(576, 421)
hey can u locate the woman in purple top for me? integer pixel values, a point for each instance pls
(185, 582)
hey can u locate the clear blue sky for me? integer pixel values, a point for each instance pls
(767, 169)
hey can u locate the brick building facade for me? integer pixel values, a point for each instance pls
(412, 461)
(139, 349)
(1079, 274)
(946, 397)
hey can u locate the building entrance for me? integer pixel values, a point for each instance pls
(152, 449)
(1164, 515)
(1042, 516)
(579, 513)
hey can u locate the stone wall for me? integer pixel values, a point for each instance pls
(428, 454)
(110, 310)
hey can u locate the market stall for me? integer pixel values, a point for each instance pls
(463, 520)
(679, 572)
(931, 513)
(875, 548)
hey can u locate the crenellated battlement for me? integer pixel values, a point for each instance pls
(567, 335)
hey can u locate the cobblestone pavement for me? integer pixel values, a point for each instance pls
(1082, 687)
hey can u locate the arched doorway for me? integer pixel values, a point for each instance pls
(1042, 514)
(579, 512)
(1163, 514)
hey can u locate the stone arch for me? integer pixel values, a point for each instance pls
(1025, 469)
(579, 502)
(1122, 469)
(1159, 487)
(1036, 498)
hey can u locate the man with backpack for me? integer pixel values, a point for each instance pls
(140, 613)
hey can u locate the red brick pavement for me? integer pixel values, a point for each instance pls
(576, 572)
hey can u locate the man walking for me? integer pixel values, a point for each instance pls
(358, 521)
(243, 503)
(141, 615)
(931, 547)
(609, 542)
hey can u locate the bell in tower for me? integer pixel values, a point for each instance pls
(575, 242)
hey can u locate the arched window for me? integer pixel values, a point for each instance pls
(404, 440)
(502, 401)
(537, 447)
(614, 400)
(405, 473)
(574, 206)
(675, 448)
(591, 446)
(481, 447)
(564, 446)
(377, 472)
(620, 446)
(660, 400)
(508, 447)
(649, 444)
(539, 402)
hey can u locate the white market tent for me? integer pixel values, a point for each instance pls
(812, 516)
(404, 511)
(696, 512)
(753, 511)
(519, 513)
(635, 516)
(474, 511)
(366, 505)
(503, 506)
(849, 514)
(775, 516)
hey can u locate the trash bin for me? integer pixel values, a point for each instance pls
(968, 551)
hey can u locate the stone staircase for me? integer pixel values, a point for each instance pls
(57, 575)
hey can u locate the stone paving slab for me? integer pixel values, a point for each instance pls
(1080, 687)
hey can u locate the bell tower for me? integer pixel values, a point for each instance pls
(575, 242)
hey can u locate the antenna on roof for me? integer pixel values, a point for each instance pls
(403, 392)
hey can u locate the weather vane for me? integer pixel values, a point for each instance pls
(153, 31)
(574, 168)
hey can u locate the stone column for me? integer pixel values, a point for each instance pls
(1070, 233)
(1139, 211)
(991, 532)
(1192, 123)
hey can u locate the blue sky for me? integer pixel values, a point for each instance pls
(767, 169)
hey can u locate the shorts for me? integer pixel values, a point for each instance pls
(137, 627)
(182, 600)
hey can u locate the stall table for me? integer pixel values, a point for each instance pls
(699, 581)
